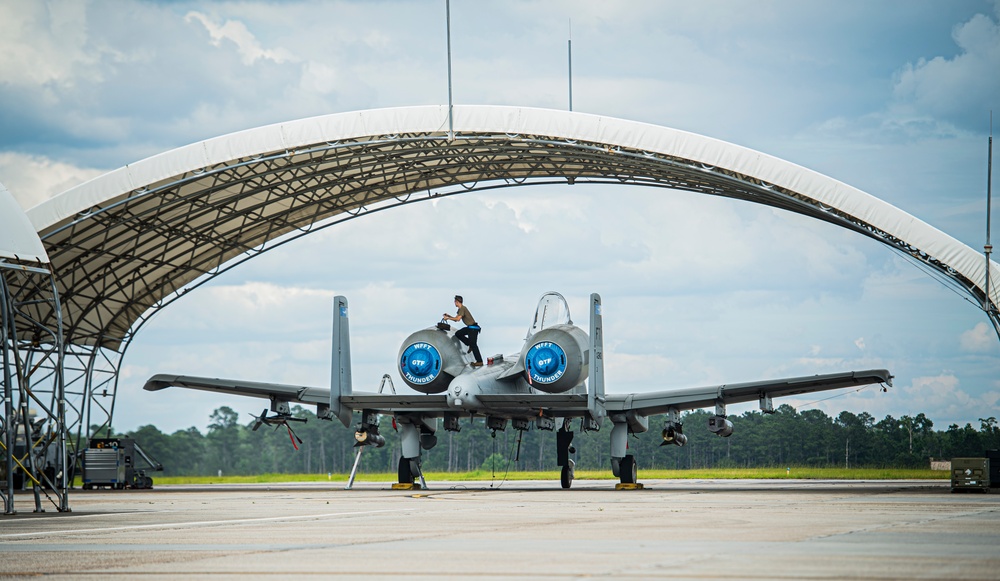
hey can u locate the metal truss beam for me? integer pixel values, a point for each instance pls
(192, 227)
(33, 434)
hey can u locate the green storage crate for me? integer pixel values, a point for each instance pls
(970, 474)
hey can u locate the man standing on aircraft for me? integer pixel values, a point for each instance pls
(469, 335)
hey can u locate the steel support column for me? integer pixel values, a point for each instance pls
(34, 424)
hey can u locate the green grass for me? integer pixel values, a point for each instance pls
(795, 472)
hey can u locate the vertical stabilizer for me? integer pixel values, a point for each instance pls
(595, 381)
(340, 379)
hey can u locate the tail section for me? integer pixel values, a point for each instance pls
(340, 377)
(595, 381)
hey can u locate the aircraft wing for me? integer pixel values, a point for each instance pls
(289, 393)
(646, 404)
(659, 402)
(385, 403)
(428, 405)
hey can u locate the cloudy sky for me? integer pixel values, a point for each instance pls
(891, 97)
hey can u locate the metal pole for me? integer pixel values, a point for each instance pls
(988, 304)
(21, 365)
(569, 49)
(88, 397)
(9, 423)
(60, 389)
(451, 119)
(354, 470)
(989, 179)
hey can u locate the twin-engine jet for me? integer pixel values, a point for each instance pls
(556, 378)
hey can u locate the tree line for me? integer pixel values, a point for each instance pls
(784, 438)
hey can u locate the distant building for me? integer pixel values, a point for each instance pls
(941, 465)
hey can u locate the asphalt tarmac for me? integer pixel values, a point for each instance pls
(736, 529)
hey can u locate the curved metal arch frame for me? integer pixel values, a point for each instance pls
(323, 185)
(740, 187)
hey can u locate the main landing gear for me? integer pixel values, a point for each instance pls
(416, 433)
(409, 468)
(623, 464)
(564, 447)
(627, 472)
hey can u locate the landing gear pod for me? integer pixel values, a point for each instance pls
(555, 359)
(429, 359)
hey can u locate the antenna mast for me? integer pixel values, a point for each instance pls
(569, 47)
(988, 303)
(451, 119)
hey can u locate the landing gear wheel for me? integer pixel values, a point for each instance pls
(566, 478)
(405, 474)
(629, 473)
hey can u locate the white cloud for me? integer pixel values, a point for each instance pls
(651, 370)
(962, 88)
(237, 33)
(940, 396)
(32, 179)
(250, 310)
(821, 363)
(979, 339)
(43, 44)
(943, 393)
(942, 97)
(319, 78)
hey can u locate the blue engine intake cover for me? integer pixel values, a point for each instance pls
(545, 362)
(420, 363)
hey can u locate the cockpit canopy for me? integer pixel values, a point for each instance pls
(552, 310)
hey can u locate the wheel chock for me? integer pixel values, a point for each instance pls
(623, 486)
(401, 486)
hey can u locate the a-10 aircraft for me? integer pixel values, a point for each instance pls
(557, 377)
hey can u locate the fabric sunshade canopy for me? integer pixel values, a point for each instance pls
(18, 239)
(125, 242)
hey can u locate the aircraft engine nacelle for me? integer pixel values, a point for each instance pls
(429, 359)
(555, 358)
(720, 426)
